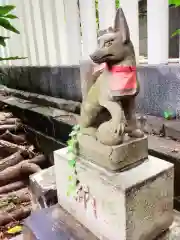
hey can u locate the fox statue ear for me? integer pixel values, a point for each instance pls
(104, 31)
(110, 29)
(120, 25)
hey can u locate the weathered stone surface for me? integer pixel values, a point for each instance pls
(42, 142)
(172, 234)
(113, 157)
(134, 204)
(154, 125)
(159, 84)
(53, 122)
(172, 129)
(174, 230)
(56, 224)
(169, 150)
(61, 81)
(160, 89)
(21, 103)
(63, 104)
(43, 187)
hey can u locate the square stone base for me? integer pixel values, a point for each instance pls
(113, 158)
(132, 205)
(43, 188)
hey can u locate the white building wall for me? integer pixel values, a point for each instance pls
(55, 32)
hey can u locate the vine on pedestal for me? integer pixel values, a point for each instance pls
(72, 158)
(75, 188)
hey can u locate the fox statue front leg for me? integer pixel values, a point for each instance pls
(129, 110)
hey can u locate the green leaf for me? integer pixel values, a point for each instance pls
(70, 178)
(15, 230)
(10, 16)
(177, 32)
(11, 58)
(6, 9)
(7, 25)
(70, 149)
(176, 3)
(72, 142)
(71, 189)
(73, 133)
(2, 41)
(72, 163)
(166, 115)
(76, 127)
(71, 155)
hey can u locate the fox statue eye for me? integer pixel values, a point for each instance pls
(108, 43)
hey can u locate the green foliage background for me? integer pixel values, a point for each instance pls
(176, 3)
(5, 17)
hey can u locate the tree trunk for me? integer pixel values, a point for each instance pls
(12, 187)
(10, 121)
(18, 214)
(8, 136)
(16, 171)
(5, 115)
(12, 127)
(17, 197)
(12, 147)
(11, 160)
(39, 159)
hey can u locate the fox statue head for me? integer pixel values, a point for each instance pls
(115, 46)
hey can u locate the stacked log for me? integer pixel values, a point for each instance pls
(18, 160)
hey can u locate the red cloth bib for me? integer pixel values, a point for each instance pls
(123, 81)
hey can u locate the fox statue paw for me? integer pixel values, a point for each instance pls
(136, 133)
(110, 135)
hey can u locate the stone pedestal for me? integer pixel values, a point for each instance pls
(132, 205)
(43, 188)
(130, 152)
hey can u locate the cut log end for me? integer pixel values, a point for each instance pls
(16, 215)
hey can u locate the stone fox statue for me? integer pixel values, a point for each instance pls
(115, 88)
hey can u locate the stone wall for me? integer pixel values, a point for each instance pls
(160, 89)
(160, 85)
(62, 82)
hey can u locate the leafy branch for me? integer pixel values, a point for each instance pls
(72, 158)
(175, 3)
(5, 17)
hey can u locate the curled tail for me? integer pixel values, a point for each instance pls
(112, 132)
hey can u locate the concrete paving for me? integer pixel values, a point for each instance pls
(20, 237)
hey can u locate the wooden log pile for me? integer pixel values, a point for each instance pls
(18, 160)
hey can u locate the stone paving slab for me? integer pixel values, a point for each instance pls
(60, 215)
(20, 237)
(169, 150)
(172, 129)
(174, 231)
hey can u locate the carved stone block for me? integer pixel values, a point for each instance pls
(113, 158)
(132, 205)
(43, 188)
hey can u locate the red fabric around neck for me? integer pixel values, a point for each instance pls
(117, 69)
(123, 81)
